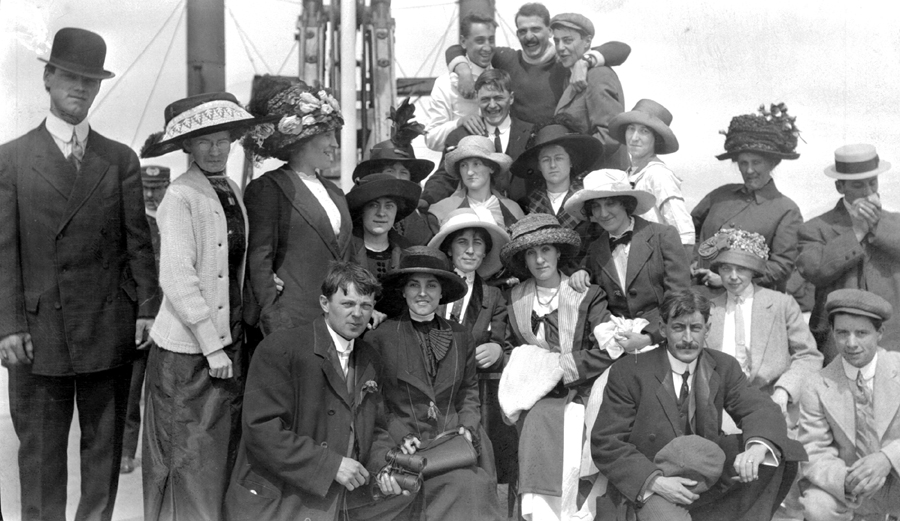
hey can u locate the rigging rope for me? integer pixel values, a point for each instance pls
(288, 57)
(245, 38)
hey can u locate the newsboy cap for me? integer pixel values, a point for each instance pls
(692, 457)
(858, 302)
(575, 21)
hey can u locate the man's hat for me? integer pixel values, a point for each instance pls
(574, 21)
(692, 457)
(154, 174)
(858, 302)
(856, 162)
(80, 52)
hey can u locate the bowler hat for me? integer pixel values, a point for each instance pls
(424, 259)
(80, 52)
(650, 114)
(405, 193)
(858, 302)
(856, 162)
(587, 151)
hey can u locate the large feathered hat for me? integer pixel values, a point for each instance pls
(399, 148)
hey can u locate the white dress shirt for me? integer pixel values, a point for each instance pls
(343, 347)
(729, 326)
(620, 256)
(504, 127)
(868, 372)
(447, 107)
(321, 193)
(470, 283)
(62, 133)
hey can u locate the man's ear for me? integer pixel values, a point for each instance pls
(323, 303)
(839, 186)
(512, 97)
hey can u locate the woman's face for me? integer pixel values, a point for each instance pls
(475, 173)
(640, 140)
(422, 293)
(318, 152)
(378, 216)
(210, 152)
(398, 171)
(755, 169)
(467, 250)
(610, 214)
(541, 261)
(555, 164)
(735, 278)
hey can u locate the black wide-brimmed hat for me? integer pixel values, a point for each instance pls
(369, 188)
(423, 259)
(398, 149)
(537, 229)
(652, 115)
(772, 133)
(80, 52)
(587, 151)
(196, 116)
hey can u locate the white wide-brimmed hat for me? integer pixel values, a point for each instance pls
(609, 182)
(476, 146)
(856, 162)
(464, 218)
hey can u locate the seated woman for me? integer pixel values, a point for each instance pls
(550, 376)
(430, 392)
(763, 329)
(634, 261)
(473, 246)
(476, 164)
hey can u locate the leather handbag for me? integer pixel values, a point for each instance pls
(449, 451)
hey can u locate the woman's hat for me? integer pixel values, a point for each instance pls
(464, 218)
(399, 148)
(302, 111)
(533, 230)
(771, 133)
(424, 259)
(476, 146)
(609, 182)
(650, 114)
(856, 162)
(369, 188)
(80, 52)
(195, 116)
(738, 247)
(587, 151)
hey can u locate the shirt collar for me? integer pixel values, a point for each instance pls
(678, 366)
(868, 370)
(629, 229)
(766, 193)
(746, 294)
(415, 317)
(503, 126)
(470, 277)
(62, 130)
(341, 344)
(476, 69)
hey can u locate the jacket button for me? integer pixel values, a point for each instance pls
(324, 444)
(632, 292)
(652, 437)
(57, 305)
(639, 313)
(618, 293)
(331, 412)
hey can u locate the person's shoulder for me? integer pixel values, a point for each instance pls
(602, 74)
(24, 141)
(294, 342)
(454, 137)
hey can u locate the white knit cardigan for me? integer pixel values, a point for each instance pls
(193, 267)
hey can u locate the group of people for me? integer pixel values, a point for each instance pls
(541, 311)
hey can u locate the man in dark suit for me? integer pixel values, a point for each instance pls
(311, 409)
(681, 389)
(509, 135)
(78, 286)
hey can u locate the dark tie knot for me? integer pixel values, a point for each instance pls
(625, 238)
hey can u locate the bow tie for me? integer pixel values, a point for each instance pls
(624, 239)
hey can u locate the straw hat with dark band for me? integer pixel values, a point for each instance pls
(537, 229)
(650, 114)
(423, 259)
(404, 193)
(856, 162)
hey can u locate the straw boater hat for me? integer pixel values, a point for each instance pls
(464, 218)
(856, 162)
(424, 259)
(609, 182)
(370, 188)
(650, 114)
(399, 148)
(301, 112)
(195, 116)
(80, 52)
(586, 149)
(738, 247)
(533, 230)
(480, 147)
(771, 133)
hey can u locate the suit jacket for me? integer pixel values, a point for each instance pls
(640, 415)
(441, 184)
(297, 423)
(485, 318)
(783, 352)
(593, 108)
(291, 236)
(828, 421)
(832, 258)
(76, 260)
(657, 264)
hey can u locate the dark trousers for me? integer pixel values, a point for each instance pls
(133, 416)
(41, 409)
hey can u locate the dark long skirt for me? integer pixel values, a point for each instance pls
(192, 427)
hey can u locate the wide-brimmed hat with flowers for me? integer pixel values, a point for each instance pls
(738, 247)
(609, 182)
(856, 162)
(772, 133)
(399, 148)
(302, 111)
(424, 259)
(476, 146)
(588, 151)
(405, 193)
(650, 114)
(199, 115)
(465, 218)
(537, 229)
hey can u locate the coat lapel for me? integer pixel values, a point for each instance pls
(567, 96)
(475, 304)
(414, 372)
(94, 168)
(665, 393)
(838, 400)
(638, 253)
(706, 386)
(608, 267)
(887, 389)
(50, 164)
(306, 204)
(331, 366)
(451, 368)
(762, 318)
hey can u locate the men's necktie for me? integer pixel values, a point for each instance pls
(685, 390)
(741, 353)
(77, 153)
(866, 438)
(498, 145)
(456, 311)
(624, 239)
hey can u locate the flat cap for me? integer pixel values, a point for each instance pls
(573, 21)
(858, 302)
(692, 457)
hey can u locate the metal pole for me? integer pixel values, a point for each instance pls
(205, 46)
(348, 93)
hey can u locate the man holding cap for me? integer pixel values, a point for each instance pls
(849, 419)
(855, 245)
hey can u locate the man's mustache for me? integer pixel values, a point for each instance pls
(687, 344)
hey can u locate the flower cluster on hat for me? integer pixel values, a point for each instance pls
(734, 239)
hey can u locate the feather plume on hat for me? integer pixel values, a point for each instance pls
(405, 128)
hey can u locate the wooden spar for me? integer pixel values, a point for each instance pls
(205, 46)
